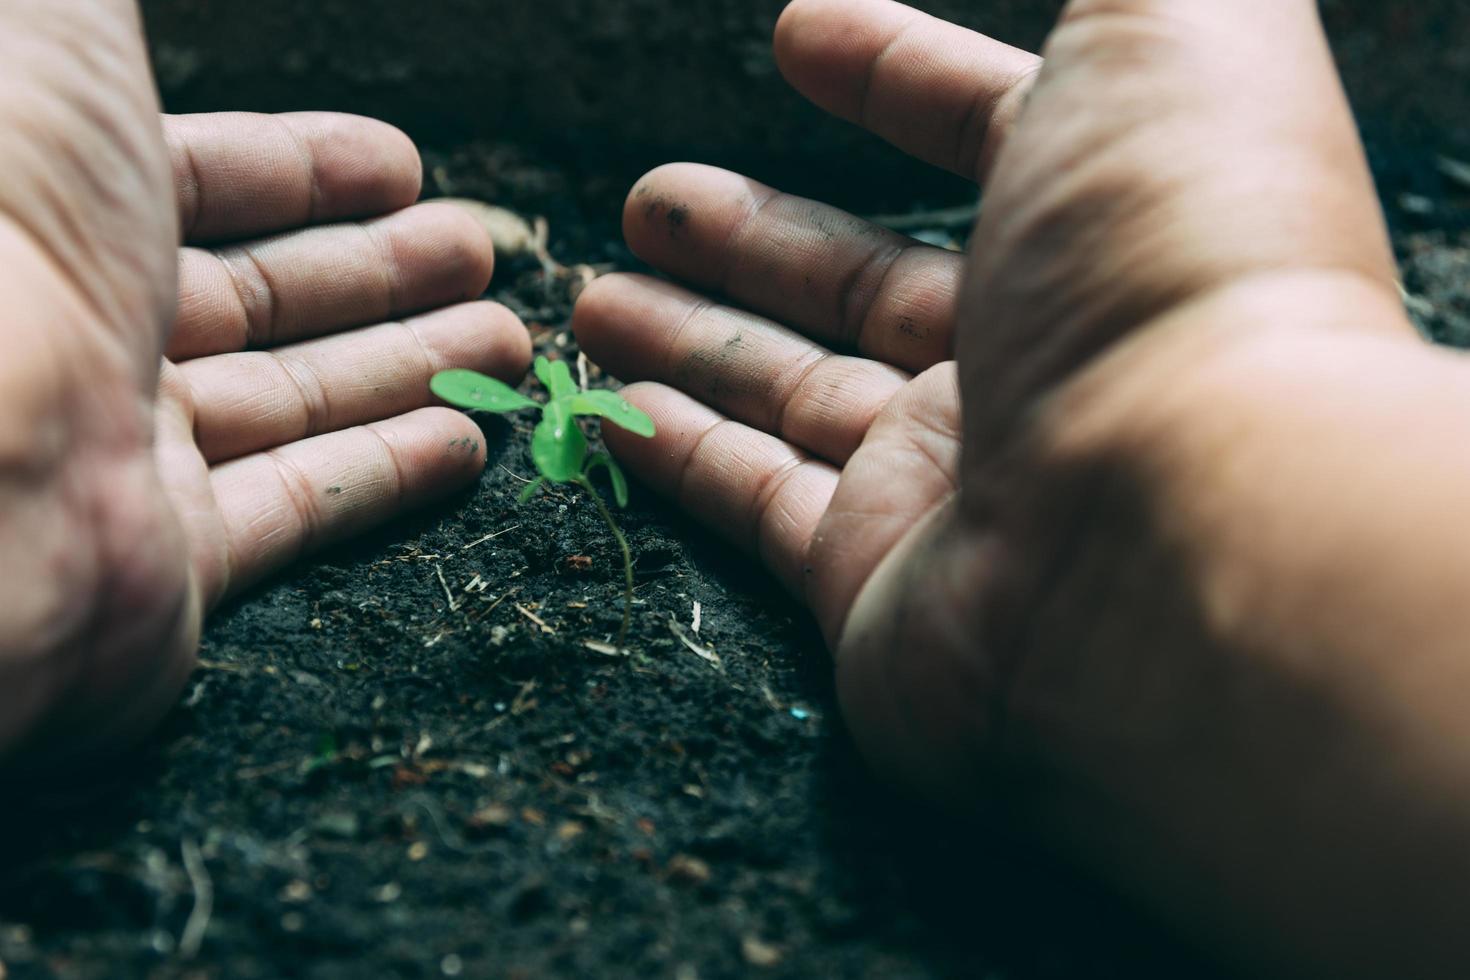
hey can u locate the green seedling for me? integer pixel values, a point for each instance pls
(558, 446)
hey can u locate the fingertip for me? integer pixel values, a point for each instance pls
(360, 165)
(680, 218)
(397, 154)
(466, 453)
(436, 254)
(791, 40)
(481, 336)
(786, 24)
(589, 312)
(624, 322)
(595, 313)
(638, 198)
(794, 26)
(654, 204)
(442, 450)
(467, 247)
(817, 49)
(510, 341)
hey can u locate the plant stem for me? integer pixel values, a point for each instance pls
(612, 526)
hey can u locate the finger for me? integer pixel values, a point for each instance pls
(261, 399)
(762, 494)
(845, 281)
(311, 282)
(937, 91)
(238, 174)
(907, 464)
(761, 374)
(276, 507)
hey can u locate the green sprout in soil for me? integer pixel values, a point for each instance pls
(558, 446)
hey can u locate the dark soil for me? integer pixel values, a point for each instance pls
(382, 772)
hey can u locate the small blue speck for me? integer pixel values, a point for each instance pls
(800, 714)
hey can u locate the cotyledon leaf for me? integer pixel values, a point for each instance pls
(473, 390)
(613, 407)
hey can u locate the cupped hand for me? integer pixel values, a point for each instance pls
(315, 302)
(294, 402)
(1088, 508)
(291, 407)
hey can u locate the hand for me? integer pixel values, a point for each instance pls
(1157, 561)
(293, 401)
(291, 408)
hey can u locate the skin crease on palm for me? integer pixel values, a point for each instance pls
(1132, 522)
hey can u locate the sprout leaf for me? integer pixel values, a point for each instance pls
(614, 408)
(471, 389)
(557, 445)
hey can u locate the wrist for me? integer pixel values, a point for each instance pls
(1239, 606)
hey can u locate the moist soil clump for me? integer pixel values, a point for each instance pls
(419, 757)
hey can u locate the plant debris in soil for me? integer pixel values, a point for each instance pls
(423, 756)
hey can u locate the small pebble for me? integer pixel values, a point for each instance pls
(689, 870)
(1416, 204)
(451, 965)
(296, 892)
(496, 815)
(759, 953)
